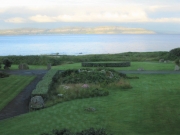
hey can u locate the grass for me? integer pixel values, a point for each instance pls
(13, 67)
(134, 66)
(151, 107)
(11, 86)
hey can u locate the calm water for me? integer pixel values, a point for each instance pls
(86, 44)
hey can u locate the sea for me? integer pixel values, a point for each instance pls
(85, 44)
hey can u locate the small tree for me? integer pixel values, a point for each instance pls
(174, 54)
(7, 63)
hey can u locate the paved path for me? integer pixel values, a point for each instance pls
(25, 72)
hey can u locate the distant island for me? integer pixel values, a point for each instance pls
(76, 30)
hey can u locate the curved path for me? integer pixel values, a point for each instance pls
(20, 104)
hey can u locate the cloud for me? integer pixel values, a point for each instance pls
(2, 10)
(155, 8)
(42, 18)
(167, 20)
(43, 11)
(15, 20)
(132, 16)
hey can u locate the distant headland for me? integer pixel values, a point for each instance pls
(76, 30)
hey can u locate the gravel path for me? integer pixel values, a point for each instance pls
(20, 104)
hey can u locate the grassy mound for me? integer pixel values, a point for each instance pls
(85, 83)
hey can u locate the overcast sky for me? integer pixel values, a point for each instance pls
(162, 16)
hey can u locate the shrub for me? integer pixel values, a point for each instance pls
(117, 64)
(46, 84)
(7, 63)
(177, 61)
(174, 54)
(90, 131)
(83, 83)
(3, 75)
(98, 92)
(99, 75)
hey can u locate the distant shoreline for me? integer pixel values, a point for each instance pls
(76, 30)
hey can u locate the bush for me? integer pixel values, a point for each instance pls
(90, 131)
(177, 61)
(113, 64)
(174, 54)
(97, 92)
(99, 75)
(3, 75)
(46, 84)
(7, 63)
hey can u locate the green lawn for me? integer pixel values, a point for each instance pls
(134, 66)
(11, 86)
(151, 107)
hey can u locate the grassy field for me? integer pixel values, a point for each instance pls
(151, 107)
(11, 86)
(134, 66)
(30, 67)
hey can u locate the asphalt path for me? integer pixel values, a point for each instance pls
(25, 72)
(20, 104)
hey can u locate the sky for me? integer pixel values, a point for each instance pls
(161, 16)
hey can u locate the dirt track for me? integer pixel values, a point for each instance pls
(20, 104)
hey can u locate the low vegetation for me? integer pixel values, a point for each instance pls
(84, 83)
(60, 59)
(174, 54)
(134, 66)
(150, 107)
(46, 84)
(3, 75)
(98, 98)
(90, 131)
(106, 64)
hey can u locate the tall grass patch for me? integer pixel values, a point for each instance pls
(85, 83)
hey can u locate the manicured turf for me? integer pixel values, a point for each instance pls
(150, 108)
(134, 66)
(11, 86)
